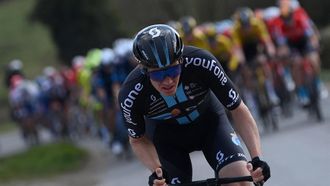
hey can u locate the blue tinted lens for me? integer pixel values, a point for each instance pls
(160, 75)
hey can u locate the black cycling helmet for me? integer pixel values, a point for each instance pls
(157, 46)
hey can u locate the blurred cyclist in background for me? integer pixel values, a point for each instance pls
(298, 36)
(191, 34)
(124, 64)
(23, 101)
(254, 47)
(13, 68)
(221, 46)
(105, 81)
(249, 34)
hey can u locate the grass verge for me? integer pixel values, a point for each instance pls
(42, 161)
(325, 75)
(7, 127)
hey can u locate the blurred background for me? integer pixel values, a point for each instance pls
(47, 38)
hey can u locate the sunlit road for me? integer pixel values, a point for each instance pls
(299, 155)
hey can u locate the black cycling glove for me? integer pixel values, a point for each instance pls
(154, 176)
(257, 162)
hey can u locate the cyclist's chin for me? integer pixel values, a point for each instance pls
(168, 91)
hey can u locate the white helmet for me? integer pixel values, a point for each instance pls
(15, 64)
(123, 46)
(295, 4)
(108, 56)
(49, 71)
(224, 25)
(78, 61)
(271, 12)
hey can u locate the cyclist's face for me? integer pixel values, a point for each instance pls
(166, 80)
(285, 7)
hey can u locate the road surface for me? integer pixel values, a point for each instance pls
(298, 154)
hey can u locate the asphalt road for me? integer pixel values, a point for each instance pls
(298, 154)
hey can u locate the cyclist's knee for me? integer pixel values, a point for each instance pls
(314, 58)
(235, 169)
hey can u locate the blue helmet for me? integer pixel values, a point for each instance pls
(157, 46)
(244, 16)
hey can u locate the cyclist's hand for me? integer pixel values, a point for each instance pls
(157, 178)
(259, 169)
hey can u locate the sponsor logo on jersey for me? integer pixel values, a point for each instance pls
(175, 181)
(193, 85)
(210, 65)
(191, 108)
(175, 112)
(131, 132)
(232, 94)
(221, 161)
(220, 156)
(128, 103)
(153, 98)
(227, 158)
(235, 139)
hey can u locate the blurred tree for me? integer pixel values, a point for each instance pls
(318, 11)
(78, 25)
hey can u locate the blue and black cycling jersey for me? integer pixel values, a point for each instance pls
(203, 83)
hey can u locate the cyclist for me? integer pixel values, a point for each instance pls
(56, 96)
(93, 95)
(249, 32)
(224, 27)
(252, 43)
(296, 31)
(124, 64)
(191, 33)
(13, 68)
(281, 70)
(171, 103)
(176, 25)
(23, 104)
(221, 46)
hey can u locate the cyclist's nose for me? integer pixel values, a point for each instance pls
(168, 80)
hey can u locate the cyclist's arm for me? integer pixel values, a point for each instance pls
(265, 37)
(133, 113)
(228, 44)
(246, 127)
(145, 152)
(237, 44)
(115, 90)
(311, 31)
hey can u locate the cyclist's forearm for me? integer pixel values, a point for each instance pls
(146, 152)
(246, 127)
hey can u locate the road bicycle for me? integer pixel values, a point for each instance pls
(218, 181)
(310, 82)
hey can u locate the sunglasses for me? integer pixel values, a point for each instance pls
(160, 75)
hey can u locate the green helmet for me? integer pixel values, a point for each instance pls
(93, 58)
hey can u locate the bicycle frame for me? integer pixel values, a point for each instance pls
(217, 182)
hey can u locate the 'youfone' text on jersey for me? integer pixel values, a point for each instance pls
(210, 65)
(129, 102)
